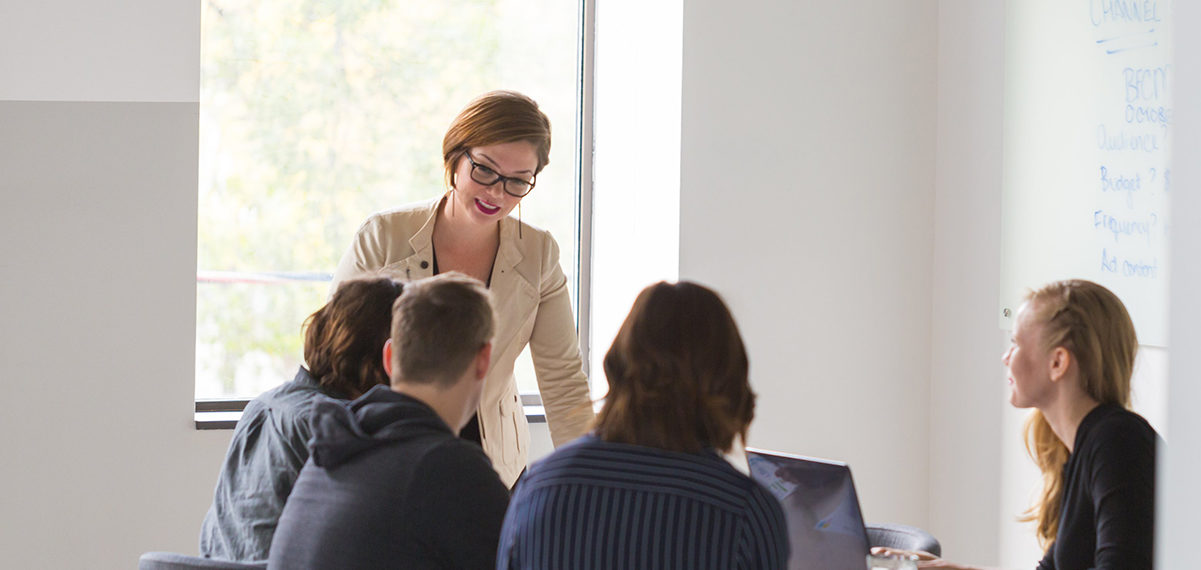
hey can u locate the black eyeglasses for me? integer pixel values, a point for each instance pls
(481, 174)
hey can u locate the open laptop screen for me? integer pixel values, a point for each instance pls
(825, 525)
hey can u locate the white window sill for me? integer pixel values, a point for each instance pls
(227, 420)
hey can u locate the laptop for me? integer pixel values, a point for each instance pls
(825, 525)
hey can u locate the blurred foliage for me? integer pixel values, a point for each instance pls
(315, 113)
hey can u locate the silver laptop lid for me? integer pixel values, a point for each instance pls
(825, 525)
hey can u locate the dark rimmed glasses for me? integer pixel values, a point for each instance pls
(485, 176)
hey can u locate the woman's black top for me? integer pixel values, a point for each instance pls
(1107, 520)
(471, 431)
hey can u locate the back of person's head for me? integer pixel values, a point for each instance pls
(677, 373)
(439, 326)
(493, 118)
(1092, 324)
(344, 339)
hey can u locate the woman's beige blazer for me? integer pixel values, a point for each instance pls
(529, 292)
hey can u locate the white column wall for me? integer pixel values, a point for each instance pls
(1180, 466)
(98, 146)
(966, 380)
(806, 200)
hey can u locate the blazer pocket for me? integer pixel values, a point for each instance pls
(510, 406)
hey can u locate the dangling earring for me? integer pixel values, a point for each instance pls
(519, 220)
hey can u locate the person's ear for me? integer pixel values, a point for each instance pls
(482, 359)
(1061, 361)
(388, 357)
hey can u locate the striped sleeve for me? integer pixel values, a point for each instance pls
(601, 505)
(765, 542)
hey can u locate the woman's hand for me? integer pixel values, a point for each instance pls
(925, 559)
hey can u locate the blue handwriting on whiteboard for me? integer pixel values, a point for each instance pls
(1111, 264)
(1137, 40)
(1131, 47)
(1122, 11)
(1145, 83)
(1146, 142)
(1139, 114)
(1124, 226)
(1121, 183)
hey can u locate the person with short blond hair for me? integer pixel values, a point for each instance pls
(423, 353)
(390, 484)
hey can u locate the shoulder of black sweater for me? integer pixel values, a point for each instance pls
(1108, 422)
(1114, 438)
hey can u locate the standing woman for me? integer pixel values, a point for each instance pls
(492, 153)
(1071, 359)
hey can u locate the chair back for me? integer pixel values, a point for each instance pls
(902, 536)
(173, 561)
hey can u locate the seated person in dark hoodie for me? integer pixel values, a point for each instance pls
(389, 483)
(342, 344)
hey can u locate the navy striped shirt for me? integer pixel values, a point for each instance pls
(595, 504)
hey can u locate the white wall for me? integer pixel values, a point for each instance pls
(1180, 465)
(966, 383)
(74, 50)
(98, 234)
(98, 237)
(806, 200)
(980, 476)
(863, 313)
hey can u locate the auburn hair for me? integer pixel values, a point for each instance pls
(1092, 324)
(677, 373)
(344, 340)
(496, 117)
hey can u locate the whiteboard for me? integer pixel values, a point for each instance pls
(1086, 172)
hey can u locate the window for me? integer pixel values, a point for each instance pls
(636, 190)
(315, 114)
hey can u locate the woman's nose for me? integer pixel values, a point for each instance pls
(496, 189)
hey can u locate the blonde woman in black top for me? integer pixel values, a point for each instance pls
(1070, 359)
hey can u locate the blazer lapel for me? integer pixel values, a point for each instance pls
(420, 263)
(510, 289)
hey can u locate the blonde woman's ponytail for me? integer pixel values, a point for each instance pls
(1049, 454)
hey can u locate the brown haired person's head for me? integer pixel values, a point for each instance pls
(441, 344)
(496, 117)
(677, 373)
(344, 340)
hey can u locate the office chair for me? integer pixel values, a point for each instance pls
(902, 536)
(173, 561)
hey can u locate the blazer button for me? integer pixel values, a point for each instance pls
(425, 264)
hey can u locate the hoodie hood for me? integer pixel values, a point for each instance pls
(342, 429)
